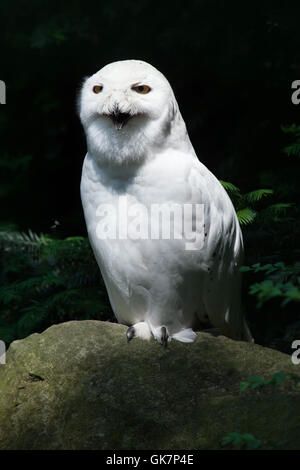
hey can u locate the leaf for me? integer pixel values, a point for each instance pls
(292, 149)
(244, 269)
(295, 378)
(291, 129)
(238, 440)
(244, 386)
(230, 188)
(255, 381)
(246, 216)
(46, 281)
(277, 378)
(255, 378)
(257, 195)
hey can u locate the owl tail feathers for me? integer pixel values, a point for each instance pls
(185, 336)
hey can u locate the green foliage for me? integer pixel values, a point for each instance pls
(257, 195)
(230, 188)
(276, 211)
(256, 381)
(45, 281)
(244, 202)
(295, 379)
(267, 290)
(246, 215)
(270, 219)
(291, 129)
(294, 148)
(241, 441)
(279, 281)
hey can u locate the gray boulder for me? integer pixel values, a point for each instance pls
(79, 385)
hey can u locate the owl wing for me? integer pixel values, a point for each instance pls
(221, 255)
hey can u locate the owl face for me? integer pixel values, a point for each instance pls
(124, 95)
(129, 112)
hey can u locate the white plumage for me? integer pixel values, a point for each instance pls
(138, 147)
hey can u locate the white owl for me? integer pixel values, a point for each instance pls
(139, 148)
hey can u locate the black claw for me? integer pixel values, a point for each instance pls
(130, 334)
(164, 336)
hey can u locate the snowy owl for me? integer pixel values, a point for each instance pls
(139, 153)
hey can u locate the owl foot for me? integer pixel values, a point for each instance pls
(161, 335)
(143, 331)
(130, 334)
(164, 336)
(138, 330)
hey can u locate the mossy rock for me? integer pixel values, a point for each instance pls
(79, 385)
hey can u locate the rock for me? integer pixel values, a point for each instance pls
(79, 385)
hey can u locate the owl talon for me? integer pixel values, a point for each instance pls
(130, 334)
(164, 336)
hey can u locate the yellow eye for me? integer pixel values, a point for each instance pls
(142, 89)
(97, 88)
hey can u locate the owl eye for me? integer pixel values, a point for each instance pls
(142, 89)
(97, 88)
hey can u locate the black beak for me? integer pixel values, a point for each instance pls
(119, 119)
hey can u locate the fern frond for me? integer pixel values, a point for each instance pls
(291, 129)
(280, 207)
(22, 240)
(292, 149)
(257, 195)
(30, 286)
(230, 188)
(246, 216)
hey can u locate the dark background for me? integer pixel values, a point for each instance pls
(231, 65)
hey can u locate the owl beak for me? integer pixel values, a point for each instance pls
(119, 119)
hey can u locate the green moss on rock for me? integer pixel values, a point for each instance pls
(79, 385)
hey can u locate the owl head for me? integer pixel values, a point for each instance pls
(127, 110)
